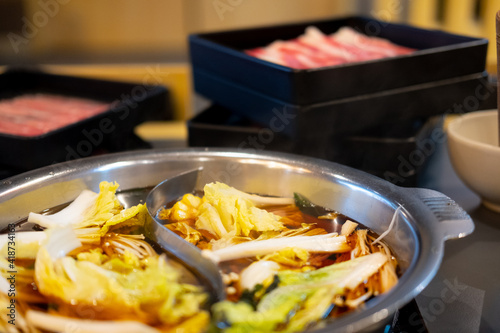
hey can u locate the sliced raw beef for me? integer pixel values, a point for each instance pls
(37, 114)
(315, 49)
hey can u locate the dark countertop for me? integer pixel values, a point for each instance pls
(464, 296)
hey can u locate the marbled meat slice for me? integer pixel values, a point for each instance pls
(37, 114)
(314, 49)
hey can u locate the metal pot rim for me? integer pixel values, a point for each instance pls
(431, 216)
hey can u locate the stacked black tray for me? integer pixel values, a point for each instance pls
(325, 112)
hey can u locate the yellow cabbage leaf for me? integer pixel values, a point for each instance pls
(227, 209)
(133, 216)
(290, 256)
(148, 290)
(187, 232)
(104, 208)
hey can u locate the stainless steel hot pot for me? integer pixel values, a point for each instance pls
(427, 218)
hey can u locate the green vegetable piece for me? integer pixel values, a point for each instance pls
(301, 298)
(307, 207)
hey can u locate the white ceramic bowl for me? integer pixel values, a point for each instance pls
(474, 149)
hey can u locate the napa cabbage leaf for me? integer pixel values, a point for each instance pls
(148, 289)
(326, 243)
(88, 209)
(301, 298)
(24, 245)
(230, 210)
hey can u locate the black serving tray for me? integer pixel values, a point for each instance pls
(396, 153)
(133, 104)
(220, 127)
(381, 150)
(348, 115)
(439, 56)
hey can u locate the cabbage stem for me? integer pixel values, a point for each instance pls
(53, 323)
(328, 243)
(71, 215)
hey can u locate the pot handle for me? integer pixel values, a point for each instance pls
(453, 220)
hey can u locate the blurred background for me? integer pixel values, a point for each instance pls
(146, 41)
(127, 39)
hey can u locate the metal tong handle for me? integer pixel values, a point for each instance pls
(167, 191)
